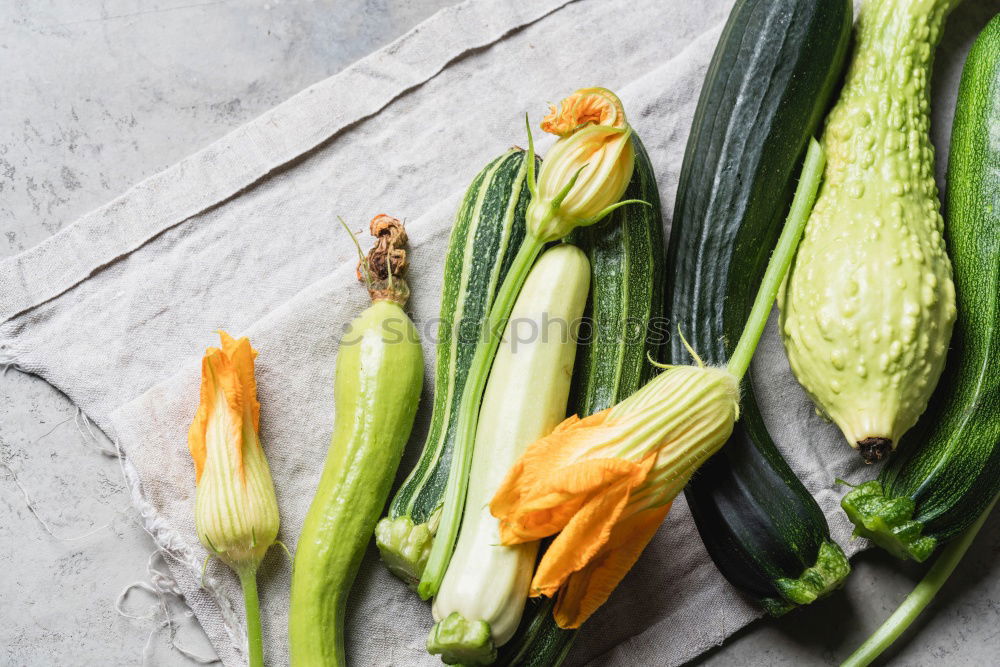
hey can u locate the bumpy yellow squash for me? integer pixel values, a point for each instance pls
(868, 306)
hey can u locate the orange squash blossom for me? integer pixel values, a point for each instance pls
(605, 483)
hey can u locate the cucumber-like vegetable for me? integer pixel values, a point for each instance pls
(377, 385)
(764, 96)
(942, 481)
(487, 232)
(485, 588)
(624, 315)
(539, 642)
(869, 305)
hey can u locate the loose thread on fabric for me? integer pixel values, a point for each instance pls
(8, 359)
(160, 585)
(81, 417)
(171, 544)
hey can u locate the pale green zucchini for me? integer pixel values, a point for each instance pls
(624, 328)
(485, 587)
(377, 382)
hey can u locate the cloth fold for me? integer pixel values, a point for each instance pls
(116, 309)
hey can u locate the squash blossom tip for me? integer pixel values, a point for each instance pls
(236, 510)
(587, 105)
(604, 483)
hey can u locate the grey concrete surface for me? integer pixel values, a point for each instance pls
(95, 97)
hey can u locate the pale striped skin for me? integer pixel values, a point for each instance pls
(236, 511)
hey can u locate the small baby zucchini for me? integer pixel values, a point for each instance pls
(376, 389)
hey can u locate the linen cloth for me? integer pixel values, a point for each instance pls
(116, 309)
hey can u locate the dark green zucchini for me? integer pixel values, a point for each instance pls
(765, 94)
(617, 339)
(539, 642)
(487, 232)
(626, 297)
(949, 471)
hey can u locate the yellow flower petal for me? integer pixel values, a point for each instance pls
(587, 105)
(589, 528)
(236, 511)
(229, 373)
(589, 587)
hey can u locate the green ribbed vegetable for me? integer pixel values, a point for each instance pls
(950, 470)
(764, 96)
(379, 374)
(626, 300)
(487, 232)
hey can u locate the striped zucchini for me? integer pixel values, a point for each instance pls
(623, 312)
(486, 235)
(950, 471)
(764, 96)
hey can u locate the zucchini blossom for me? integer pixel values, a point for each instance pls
(586, 171)
(235, 510)
(605, 483)
(582, 178)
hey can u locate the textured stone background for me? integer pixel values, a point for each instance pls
(94, 97)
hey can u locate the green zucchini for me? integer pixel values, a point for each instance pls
(621, 334)
(582, 179)
(868, 307)
(765, 93)
(539, 642)
(379, 373)
(625, 309)
(950, 471)
(487, 232)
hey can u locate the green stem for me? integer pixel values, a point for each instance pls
(255, 650)
(920, 597)
(781, 259)
(468, 418)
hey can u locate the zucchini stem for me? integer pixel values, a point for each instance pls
(468, 418)
(255, 648)
(781, 259)
(920, 597)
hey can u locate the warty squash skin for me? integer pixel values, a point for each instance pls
(868, 306)
(936, 488)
